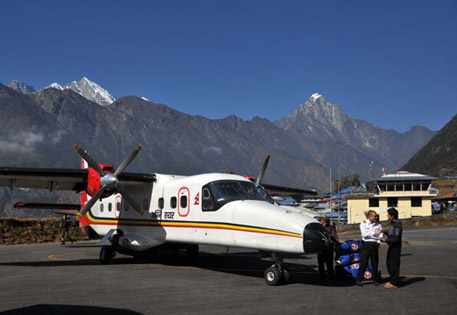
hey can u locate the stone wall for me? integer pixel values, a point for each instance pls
(30, 231)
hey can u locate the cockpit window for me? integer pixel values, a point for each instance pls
(219, 193)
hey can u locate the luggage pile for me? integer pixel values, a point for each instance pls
(348, 260)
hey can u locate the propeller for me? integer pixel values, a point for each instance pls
(108, 180)
(262, 170)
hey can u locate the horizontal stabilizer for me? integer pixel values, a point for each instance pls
(47, 206)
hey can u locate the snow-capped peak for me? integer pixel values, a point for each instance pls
(54, 85)
(315, 96)
(144, 98)
(88, 89)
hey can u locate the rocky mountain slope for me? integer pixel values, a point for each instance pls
(439, 157)
(338, 140)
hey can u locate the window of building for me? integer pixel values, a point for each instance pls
(392, 202)
(408, 186)
(374, 202)
(173, 202)
(416, 201)
(183, 201)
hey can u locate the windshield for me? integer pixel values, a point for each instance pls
(227, 191)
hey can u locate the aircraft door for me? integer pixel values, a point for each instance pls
(117, 206)
(183, 202)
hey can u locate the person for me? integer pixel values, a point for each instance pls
(64, 227)
(393, 239)
(326, 257)
(371, 231)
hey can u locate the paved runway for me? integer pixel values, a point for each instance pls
(69, 279)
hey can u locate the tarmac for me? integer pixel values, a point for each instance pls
(54, 279)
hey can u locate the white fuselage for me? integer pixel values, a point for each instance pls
(174, 212)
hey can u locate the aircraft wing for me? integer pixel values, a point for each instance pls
(60, 179)
(134, 179)
(44, 178)
(287, 191)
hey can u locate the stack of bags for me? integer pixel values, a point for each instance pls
(348, 260)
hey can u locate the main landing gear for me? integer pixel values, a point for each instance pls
(277, 273)
(106, 254)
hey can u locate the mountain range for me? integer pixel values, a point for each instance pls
(39, 129)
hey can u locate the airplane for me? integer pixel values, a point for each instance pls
(138, 212)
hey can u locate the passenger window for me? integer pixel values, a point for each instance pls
(118, 206)
(173, 202)
(101, 206)
(161, 203)
(110, 207)
(183, 201)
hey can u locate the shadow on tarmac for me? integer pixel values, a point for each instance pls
(250, 264)
(68, 309)
(403, 282)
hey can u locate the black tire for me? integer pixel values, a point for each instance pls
(286, 275)
(273, 276)
(106, 253)
(193, 253)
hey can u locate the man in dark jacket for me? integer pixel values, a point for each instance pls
(326, 257)
(64, 228)
(393, 239)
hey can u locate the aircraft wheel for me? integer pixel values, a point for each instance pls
(273, 276)
(106, 253)
(286, 275)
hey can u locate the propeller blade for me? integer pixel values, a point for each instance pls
(130, 200)
(89, 160)
(91, 202)
(127, 161)
(262, 170)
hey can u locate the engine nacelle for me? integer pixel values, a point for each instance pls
(93, 180)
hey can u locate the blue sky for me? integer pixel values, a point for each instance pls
(392, 63)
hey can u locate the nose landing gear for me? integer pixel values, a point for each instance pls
(277, 273)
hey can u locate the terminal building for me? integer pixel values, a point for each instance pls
(410, 193)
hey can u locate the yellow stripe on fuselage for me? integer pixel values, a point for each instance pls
(190, 224)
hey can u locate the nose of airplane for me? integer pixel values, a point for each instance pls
(315, 238)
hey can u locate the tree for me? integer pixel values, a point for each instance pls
(351, 180)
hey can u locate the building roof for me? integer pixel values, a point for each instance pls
(404, 175)
(447, 196)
